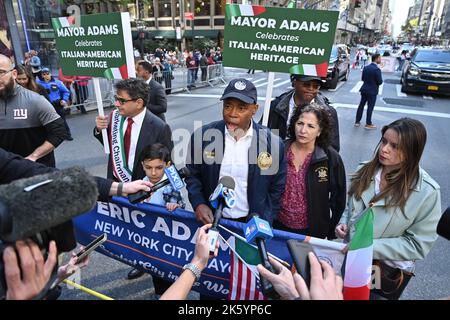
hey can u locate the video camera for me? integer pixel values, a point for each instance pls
(40, 208)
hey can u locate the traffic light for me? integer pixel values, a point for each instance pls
(357, 3)
(141, 6)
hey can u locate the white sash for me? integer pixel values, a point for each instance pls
(118, 157)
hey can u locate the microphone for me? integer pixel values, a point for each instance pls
(223, 195)
(443, 227)
(174, 177)
(32, 205)
(259, 230)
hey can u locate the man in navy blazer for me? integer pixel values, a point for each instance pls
(371, 76)
(240, 148)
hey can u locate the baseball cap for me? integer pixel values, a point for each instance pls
(45, 70)
(241, 89)
(305, 78)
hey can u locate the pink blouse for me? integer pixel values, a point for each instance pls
(294, 204)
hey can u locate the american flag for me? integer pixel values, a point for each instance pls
(244, 279)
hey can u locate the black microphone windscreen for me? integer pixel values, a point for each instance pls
(227, 182)
(69, 193)
(443, 227)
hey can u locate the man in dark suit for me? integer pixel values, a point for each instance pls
(157, 102)
(132, 126)
(238, 147)
(372, 79)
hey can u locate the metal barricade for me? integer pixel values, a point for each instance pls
(215, 74)
(85, 94)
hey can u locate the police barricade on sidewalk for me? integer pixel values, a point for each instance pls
(150, 238)
(216, 74)
(83, 93)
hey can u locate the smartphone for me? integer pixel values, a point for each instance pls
(82, 254)
(299, 252)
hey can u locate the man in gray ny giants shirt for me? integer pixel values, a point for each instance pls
(29, 125)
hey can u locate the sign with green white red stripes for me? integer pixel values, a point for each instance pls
(100, 45)
(279, 39)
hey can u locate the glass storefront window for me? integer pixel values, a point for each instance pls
(164, 7)
(202, 7)
(220, 7)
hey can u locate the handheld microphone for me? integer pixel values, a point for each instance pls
(223, 195)
(29, 206)
(443, 227)
(259, 230)
(174, 177)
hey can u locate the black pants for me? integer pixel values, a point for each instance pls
(62, 113)
(370, 99)
(82, 94)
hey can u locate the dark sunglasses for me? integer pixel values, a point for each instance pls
(122, 101)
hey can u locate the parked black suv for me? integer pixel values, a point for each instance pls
(428, 71)
(338, 65)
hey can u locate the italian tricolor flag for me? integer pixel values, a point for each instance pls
(319, 70)
(63, 22)
(117, 73)
(358, 267)
(248, 10)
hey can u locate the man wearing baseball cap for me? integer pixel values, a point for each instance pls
(238, 147)
(306, 90)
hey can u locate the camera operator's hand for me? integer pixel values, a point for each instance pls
(325, 284)
(282, 280)
(136, 186)
(130, 187)
(26, 272)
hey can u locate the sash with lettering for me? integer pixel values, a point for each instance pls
(118, 157)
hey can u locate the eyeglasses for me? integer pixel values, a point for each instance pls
(122, 101)
(4, 72)
(313, 85)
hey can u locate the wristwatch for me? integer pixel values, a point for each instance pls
(194, 269)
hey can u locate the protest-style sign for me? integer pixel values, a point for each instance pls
(284, 40)
(98, 45)
(279, 39)
(101, 46)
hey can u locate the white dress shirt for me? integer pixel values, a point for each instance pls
(135, 131)
(235, 165)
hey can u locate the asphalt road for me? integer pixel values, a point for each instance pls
(432, 279)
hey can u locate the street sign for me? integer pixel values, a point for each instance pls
(189, 15)
(279, 39)
(101, 46)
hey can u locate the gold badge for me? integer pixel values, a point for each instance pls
(264, 160)
(322, 174)
(210, 154)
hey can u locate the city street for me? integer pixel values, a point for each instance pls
(432, 279)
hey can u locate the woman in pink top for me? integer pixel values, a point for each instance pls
(315, 182)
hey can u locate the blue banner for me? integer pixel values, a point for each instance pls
(151, 238)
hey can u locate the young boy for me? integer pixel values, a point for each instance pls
(155, 158)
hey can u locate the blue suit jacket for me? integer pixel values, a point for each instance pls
(371, 76)
(264, 187)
